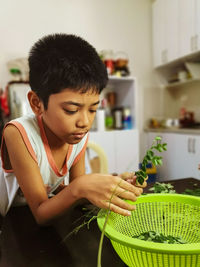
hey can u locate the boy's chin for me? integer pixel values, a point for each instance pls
(74, 142)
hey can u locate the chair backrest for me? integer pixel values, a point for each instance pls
(101, 156)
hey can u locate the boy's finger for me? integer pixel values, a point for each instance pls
(127, 175)
(121, 207)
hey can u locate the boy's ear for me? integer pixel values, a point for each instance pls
(35, 103)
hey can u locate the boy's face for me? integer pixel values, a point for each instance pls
(70, 115)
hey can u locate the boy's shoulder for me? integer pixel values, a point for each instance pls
(25, 122)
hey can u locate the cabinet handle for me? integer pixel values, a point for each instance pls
(192, 43)
(196, 42)
(193, 145)
(189, 145)
(163, 56)
(166, 56)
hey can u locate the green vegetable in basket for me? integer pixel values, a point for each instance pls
(159, 238)
(193, 192)
(151, 157)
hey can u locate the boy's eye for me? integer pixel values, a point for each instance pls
(70, 111)
(93, 110)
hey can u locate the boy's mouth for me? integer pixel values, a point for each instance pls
(79, 135)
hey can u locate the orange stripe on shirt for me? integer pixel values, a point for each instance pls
(48, 151)
(81, 152)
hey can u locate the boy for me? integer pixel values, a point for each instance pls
(41, 151)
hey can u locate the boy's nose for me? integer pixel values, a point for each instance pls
(83, 120)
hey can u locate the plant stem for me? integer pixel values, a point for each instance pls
(104, 227)
(101, 240)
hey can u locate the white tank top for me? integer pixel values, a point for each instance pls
(33, 134)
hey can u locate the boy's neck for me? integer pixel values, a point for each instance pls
(53, 140)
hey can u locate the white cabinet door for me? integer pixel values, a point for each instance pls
(158, 25)
(126, 150)
(187, 156)
(182, 157)
(196, 151)
(197, 25)
(176, 29)
(165, 31)
(172, 29)
(187, 27)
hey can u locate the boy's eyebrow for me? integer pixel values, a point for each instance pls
(78, 104)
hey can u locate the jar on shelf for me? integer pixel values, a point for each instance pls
(108, 59)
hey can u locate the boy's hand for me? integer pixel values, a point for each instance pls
(107, 191)
(130, 177)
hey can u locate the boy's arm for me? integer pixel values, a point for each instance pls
(30, 181)
(78, 169)
(104, 191)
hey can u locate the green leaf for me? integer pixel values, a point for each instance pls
(150, 153)
(148, 157)
(164, 146)
(158, 138)
(159, 148)
(155, 161)
(159, 161)
(140, 179)
(143, 168)
(151, 158)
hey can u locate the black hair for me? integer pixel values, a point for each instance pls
(60, 61)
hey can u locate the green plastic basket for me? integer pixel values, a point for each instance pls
(169, 214)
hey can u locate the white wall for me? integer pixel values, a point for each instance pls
(106, 24)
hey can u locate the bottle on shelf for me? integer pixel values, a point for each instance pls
(118, 124)
(109, 121)
(100, 116)
(127, 119)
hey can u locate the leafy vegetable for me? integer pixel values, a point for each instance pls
(150, 157)
(193, 192)
(162, 188)
(160, 238)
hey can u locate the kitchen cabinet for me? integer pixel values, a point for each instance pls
(188, 25)
(165, 31)
(121, 146)
(187, 155)
(176, 29)
(182, 157)
(158, 25)
(197, 24)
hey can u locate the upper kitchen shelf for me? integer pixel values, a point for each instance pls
(117, 78)
(182, 83)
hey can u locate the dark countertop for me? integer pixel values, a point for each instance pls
(24, 244)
